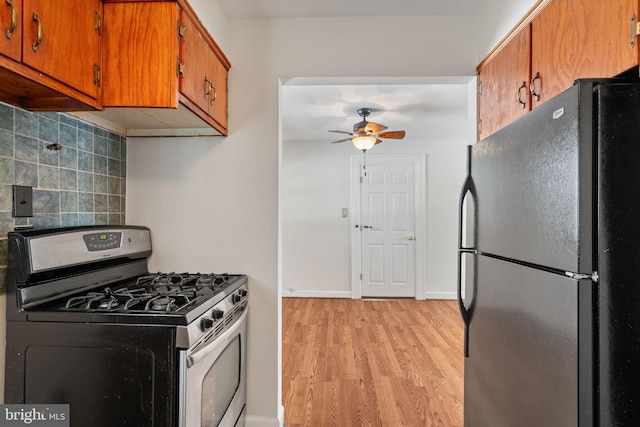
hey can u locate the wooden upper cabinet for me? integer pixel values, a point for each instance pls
(204, 77)
(218, 106)
(567, 40)
(158, 56)
(580, 39)
(140, 46)
(50, 54)
(195, 79)
(62, 40)
(503, 84)
(11, 27)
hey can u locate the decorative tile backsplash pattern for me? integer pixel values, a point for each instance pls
(83, 183)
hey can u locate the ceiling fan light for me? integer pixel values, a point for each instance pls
(363, 143)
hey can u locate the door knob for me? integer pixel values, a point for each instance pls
(411, 238)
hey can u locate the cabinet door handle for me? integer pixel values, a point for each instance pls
(521, 101)
(532, 87)
(14, 19)
(215, 94)
(39, 32)
(208, 85)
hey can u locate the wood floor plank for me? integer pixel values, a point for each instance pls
(373, 363)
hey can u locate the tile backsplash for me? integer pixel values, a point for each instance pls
(83, 183)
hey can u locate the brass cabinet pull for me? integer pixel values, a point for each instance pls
(39, 31)
(208, 85)
(209, 88)
(14, 19)
(521, 101)
(532, 87)
(215, 94)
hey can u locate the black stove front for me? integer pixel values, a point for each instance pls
(89, 326)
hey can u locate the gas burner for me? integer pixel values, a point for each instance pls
(168, 279)
(162, 304)
(88, 301)
(210, 280)
(108, 303)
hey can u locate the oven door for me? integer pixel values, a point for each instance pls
(213, 380)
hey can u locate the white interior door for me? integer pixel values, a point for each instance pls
(388, 229)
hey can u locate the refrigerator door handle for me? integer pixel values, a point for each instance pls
(594, 277)
(467, 188)
(463, 310)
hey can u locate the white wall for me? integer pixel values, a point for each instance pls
(227, 218)
(498, 17)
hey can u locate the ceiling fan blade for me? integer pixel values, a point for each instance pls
(378, 141)
(341, 131)
(341, 140)
(374, 127)
(394, 134)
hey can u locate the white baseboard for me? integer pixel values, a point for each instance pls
(441, 295)
(315, 294)
(255, 421)
(294, 293)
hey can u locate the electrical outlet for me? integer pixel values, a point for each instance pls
(22, 201)
(345, 212)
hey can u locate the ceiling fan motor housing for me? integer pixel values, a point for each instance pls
(360, 127)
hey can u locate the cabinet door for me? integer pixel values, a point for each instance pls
(503, 93)
(580, 39)
(196, 81)
(218, 104)
(11, 36)
(141, 54)
(60, 39)
(204, 82)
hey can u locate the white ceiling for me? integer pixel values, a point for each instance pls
(325, 8)
(425, 109)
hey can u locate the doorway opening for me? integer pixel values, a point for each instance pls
(315, 199)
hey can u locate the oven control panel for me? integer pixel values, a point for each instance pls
(56, 248)
(102, 241)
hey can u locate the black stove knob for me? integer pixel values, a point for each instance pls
(207, 323)
(217, 314)
(236, 298)
(243, 292)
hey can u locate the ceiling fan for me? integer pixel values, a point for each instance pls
(367, 134)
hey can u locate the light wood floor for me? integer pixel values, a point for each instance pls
(380, 363)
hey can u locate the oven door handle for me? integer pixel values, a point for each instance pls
(203, 352)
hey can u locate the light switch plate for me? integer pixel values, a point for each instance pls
(22, 201)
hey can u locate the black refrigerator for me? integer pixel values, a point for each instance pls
(549, 261)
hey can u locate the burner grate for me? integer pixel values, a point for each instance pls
(154, 293)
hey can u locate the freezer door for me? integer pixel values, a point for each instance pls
(533, 185)
(523, 367)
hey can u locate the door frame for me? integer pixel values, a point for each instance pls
(419, 163)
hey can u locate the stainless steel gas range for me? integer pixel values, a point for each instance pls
(89, 326)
